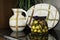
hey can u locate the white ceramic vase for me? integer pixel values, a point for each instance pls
(18, 22)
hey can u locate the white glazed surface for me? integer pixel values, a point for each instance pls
(19, 29)
(21, 20)
(20, 34)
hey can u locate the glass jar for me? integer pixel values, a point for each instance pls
(39, 25)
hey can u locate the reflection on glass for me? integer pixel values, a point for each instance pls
(41, 37)
(50, 37)
(33, 36)
(18, 35)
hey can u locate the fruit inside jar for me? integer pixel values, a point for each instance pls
(39, 25)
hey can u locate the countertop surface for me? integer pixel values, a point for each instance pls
(27, 35)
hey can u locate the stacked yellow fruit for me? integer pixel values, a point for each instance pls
(38, 26)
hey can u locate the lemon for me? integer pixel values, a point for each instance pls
(41, 22)
(40, 26)
(43, 30)
(37, 27)
(35, 30)
(45, 27)
(35, 22)
(39, 31)
(33, 27)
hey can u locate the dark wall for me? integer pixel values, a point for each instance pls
(6, 12)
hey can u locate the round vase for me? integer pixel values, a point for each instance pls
(18, 22)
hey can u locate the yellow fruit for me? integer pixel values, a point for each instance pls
(35, 22)
(46, 30)
(43, 30)
(40, 26)
(45, 27)
(37, 27)
(39, 31)
(33, 27)
(35, 30)
(41, 22)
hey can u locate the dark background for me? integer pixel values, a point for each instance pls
(6, 12)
